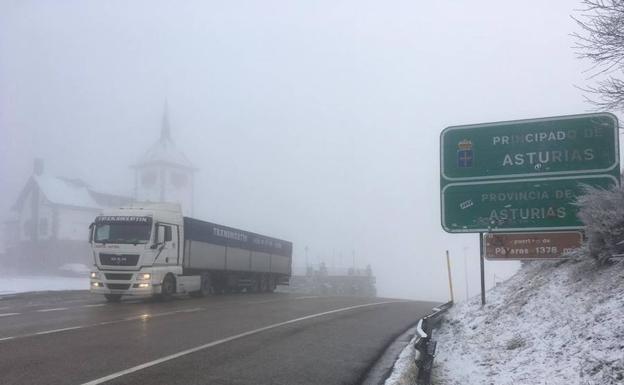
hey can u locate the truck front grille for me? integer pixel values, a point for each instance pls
(119, 259)
(118, 277)
(118, 286)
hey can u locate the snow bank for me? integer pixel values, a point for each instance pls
(404, 369)
(21, 284)
(552, 323)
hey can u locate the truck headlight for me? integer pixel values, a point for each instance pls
(145, 276)
(95, 274)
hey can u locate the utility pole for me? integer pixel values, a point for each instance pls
(448, 266)
(306, 257)
(466, 273)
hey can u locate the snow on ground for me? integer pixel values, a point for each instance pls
(21, 284)
(552, 323)
(404, 369)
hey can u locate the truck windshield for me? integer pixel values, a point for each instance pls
(122, 231)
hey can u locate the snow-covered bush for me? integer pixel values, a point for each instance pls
(602, 213)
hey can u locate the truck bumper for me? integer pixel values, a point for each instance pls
(132, 290)
(101, 285)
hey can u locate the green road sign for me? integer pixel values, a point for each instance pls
(526, 148)
(524, 204)
(524, 175)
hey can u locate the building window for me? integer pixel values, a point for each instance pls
(178, 179)
(148, 179)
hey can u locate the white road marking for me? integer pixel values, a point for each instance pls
(228, 339)
(59, 330)
(144, 316)
(95, 305)
(191, 310)
(8, 314)
(55, 309)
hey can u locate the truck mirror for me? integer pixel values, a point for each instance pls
(167, 233)
(158, 236)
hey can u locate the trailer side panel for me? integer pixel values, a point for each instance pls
(216, 247)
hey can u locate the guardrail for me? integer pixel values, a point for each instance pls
(425, 346)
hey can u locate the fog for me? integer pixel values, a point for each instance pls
(316, 122)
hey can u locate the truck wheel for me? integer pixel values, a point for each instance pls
(113, 297)
(205, 289)
(255, 286)
(263, 284)
(271, 285)
(167, 288)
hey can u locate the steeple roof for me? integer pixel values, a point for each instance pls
(164, 151)
(165, 130)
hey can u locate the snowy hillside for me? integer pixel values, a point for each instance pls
(552, 323)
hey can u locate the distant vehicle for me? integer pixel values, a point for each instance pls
(152, 249)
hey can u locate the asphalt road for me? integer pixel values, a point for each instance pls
(78, 338)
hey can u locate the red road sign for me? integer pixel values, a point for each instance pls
(522, 246)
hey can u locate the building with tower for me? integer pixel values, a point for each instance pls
(164, 173)
(48, 225)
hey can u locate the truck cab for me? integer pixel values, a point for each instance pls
(137, 250)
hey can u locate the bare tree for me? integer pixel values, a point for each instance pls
(602, 213)
(602, 41)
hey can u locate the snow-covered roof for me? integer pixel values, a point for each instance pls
(70, 192)
(64, 192)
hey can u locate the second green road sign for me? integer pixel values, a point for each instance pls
(518, 205)
(524, 175)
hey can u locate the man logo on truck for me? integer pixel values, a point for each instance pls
(118, 259)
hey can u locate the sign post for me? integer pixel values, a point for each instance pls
(482, 261)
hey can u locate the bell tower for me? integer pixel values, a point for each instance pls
(164, 173)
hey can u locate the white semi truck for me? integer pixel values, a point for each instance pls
(152, 249)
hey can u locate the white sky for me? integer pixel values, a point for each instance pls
(316, 122)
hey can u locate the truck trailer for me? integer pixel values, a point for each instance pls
(152, 249)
